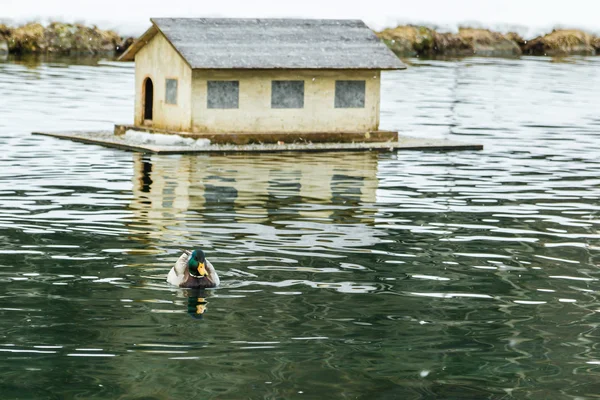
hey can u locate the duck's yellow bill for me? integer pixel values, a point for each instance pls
(201, 269)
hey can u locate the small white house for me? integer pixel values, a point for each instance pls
(209, 75)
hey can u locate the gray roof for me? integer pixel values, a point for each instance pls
(230, 43)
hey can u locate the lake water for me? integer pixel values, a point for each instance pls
(408, 275)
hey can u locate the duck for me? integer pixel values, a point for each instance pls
(193, 270)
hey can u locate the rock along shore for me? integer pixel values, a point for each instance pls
(410, 40)
(60, 38)
(404, 40)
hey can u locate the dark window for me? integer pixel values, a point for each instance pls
(349, 94)
(171, 91)
(287, 94)
(223, 94)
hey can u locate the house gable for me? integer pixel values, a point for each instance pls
(159, 61)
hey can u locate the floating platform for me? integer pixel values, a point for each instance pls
(109, 139)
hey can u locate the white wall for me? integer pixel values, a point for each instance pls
(256, 115)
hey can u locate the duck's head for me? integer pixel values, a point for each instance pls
(196, 264)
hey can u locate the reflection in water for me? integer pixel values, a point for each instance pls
(188, 182)
(145, 179)
(409, 275)
(196, 303)
(178, 198)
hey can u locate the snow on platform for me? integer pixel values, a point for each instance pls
(173, 144)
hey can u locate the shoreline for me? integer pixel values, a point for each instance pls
(58, 38)
(417, 41)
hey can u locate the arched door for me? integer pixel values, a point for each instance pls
(148, 99)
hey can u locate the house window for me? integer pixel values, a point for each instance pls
(223, 94)
(349, 94)
(171, 91)
(287, 94)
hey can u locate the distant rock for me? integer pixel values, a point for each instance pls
(124, 45)
(482, 42)
(518, 39)
(409, 40)
(561, 43)
(26, 39)
(3, 45)
(596, 44)
(62, 38)
(418, 40)
(5, 32)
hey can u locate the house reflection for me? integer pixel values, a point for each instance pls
(177, 195)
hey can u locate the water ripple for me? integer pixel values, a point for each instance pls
(407, 275)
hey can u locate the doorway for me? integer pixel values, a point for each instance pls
(148, 99)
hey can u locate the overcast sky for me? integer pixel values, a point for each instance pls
(131, 16)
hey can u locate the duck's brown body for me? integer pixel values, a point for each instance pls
(197, 283)
(180, 275)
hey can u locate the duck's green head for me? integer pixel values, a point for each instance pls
(196, 264)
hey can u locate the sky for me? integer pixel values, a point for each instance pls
(130, 17)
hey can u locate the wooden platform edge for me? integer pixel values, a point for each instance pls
(249, 138)
(98, 142)
(230, 149)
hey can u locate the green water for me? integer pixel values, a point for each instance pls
(410, 275)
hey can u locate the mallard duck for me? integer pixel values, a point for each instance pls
(193, 270)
